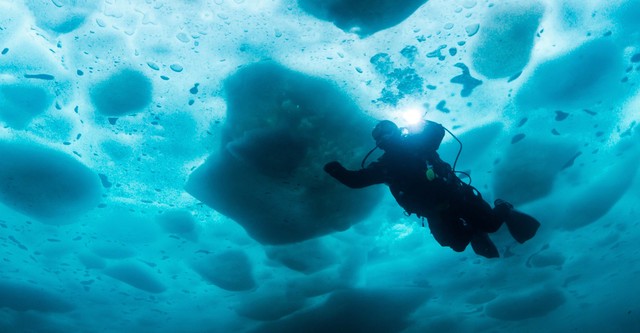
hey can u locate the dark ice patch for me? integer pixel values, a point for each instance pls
(522, 121)
(628, 131)
(122, 93)
(472, 29)
(466, 80)
(194, 89)
(355, 311)
(399, 82)
(105, 181)
(136, 276)
(517, 138)
(45, 183)
(406, 80)
(230, 270)
(363, 17)
(560, 115)
(23, 297)
(281, 128)
(46, 77)
(18, 243)
(571, 161)
(410, 52)
(441, 106)
(153, 65)
(514, 76)
(524, 306)
(19, 103)
(437, 53)
(68, 25)
(382, 63)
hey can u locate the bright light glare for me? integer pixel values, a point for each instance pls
(413, 116)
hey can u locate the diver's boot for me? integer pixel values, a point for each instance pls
(482, 245)
(521, 226)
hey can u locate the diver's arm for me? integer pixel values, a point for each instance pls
(355, 179)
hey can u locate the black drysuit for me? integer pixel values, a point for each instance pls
(454, 210)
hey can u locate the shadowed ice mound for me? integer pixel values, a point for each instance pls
(137, 276)
(230, 270)
(24, 297)
(535, 174)
(357, 310)
(524, 306)
(45, 183)
(506, 39)
(281, 128)
(581, 78)
(364, 17)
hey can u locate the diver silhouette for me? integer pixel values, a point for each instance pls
(428, 187)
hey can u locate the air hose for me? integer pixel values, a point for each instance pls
(367, 156)
(458, 156)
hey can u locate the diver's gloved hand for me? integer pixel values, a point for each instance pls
(333, 168)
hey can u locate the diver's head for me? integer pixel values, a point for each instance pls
(386, 134)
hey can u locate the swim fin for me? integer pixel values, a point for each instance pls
(521, 226)
(482, 245)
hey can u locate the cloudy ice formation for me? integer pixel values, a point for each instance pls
(161, 164)
(280, 127)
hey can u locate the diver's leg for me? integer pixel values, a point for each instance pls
(481, 221)
(449, 231)
(478, 212)
(482, 245)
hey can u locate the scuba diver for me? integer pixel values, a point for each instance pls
(428, 187)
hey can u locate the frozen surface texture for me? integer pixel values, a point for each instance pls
(161, 164)
(281, 128)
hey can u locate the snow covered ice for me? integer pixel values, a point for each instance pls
(161, 164)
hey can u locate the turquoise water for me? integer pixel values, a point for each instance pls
(161, 164)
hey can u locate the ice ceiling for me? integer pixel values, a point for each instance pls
(161, 164)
